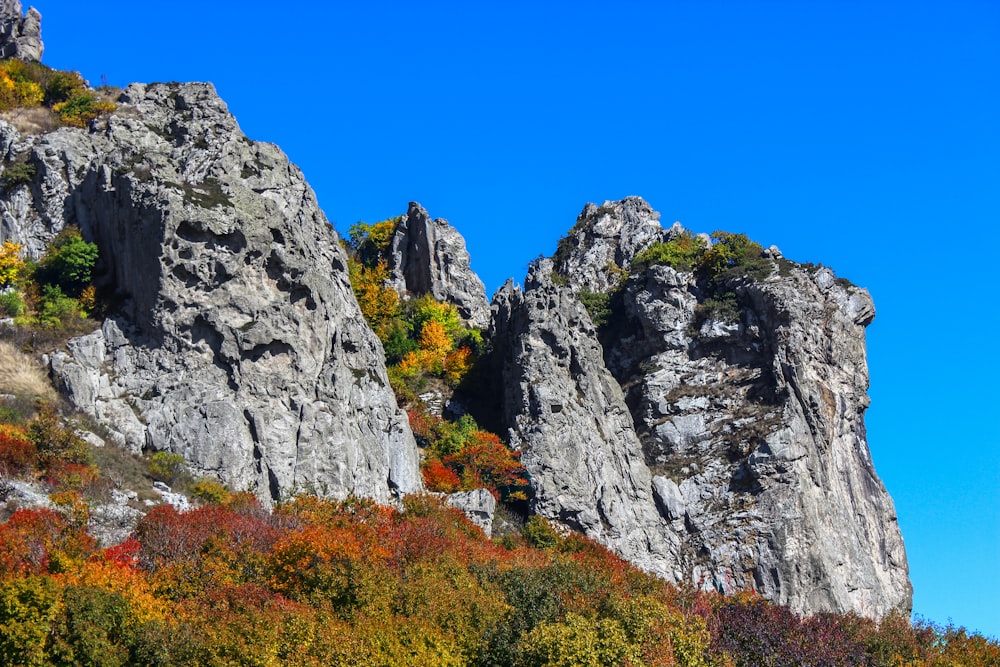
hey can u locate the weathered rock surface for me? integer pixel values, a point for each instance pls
(236, 340)
(753, 454)
(429, 257)
(756, 430)
(479, 505)
(20, 35)
(605, 238)
(568, 416)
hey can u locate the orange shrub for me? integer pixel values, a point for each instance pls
(440, 478)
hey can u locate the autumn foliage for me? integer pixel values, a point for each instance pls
(320, 582)
(32, 84)
(426, 342)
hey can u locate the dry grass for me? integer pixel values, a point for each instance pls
(34, 120)
(21, 375)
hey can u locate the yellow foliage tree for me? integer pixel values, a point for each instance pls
(578, 641)
(16, 91)
(435, 340)
(379, 302)
(11, 265)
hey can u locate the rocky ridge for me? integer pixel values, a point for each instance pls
(428, 256)
(567, 415)
(725, 451)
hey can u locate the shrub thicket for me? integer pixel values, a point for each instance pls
(319, 582)
(57, 291)
(26, 85)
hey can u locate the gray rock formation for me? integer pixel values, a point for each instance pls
(236, 340)
(754, 431)
(429, 257)
(479, 505)
(20, 35)
(568, 417)
(745, 437)
(598, 250)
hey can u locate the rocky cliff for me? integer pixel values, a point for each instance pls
(710, 431)
(729, 451)
(567, 415)
(235, 339)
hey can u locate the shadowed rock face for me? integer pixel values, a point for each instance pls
(236, 340)
(568, 416)
(429, 257)
(744, 438)
(20, 35)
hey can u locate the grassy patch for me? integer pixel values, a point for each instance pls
(21, 375)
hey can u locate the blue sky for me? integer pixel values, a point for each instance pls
(863, 135)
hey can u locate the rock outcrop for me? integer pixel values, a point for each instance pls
(743, 436)
(567, 415)
(429, 257)
(479, 505)
(598, 250)
(20, 35)
(235, 339)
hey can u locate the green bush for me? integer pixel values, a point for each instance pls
(540, 533)
(733, 256)
(68, 262)
(63, 86)
(11, 304)
(682, 252)
(722, 307)
(17, 174)
(598, 304)
(55, 308)
(166, 466)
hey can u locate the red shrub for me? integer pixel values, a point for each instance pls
(31, 539)
(487, 462)
(17, 452)
(440, 478)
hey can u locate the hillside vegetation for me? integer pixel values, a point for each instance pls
(319, 582)
(426, 346)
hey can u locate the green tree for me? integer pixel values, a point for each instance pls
(681, 252)
(68, 262)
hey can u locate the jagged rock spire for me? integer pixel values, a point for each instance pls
(20, 35)
(429, 257)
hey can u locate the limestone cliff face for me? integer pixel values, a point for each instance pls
(751, 430)
(236, 340)
(428, 256)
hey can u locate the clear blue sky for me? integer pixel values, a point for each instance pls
(861, 134)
